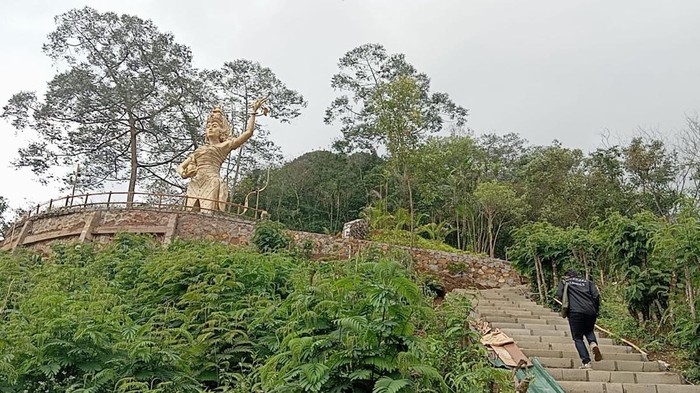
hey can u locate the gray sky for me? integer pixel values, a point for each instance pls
(566, 70)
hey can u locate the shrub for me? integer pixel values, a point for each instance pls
(270, 236)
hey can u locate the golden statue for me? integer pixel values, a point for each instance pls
(207, 191)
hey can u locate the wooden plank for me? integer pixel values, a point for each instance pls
(106, 230)
(172, 226)
(23, 233)
(49, 236)
(92, 221)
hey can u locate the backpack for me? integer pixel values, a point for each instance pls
(564, 312)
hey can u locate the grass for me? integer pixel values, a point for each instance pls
(403, 238)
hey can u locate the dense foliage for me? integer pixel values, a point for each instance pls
(646, 266)
(134, 316)
(127, 96)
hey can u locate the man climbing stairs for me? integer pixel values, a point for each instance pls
(543, 334)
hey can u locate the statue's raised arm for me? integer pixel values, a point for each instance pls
(245, 135)
(207, 191)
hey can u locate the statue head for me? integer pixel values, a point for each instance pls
(218, 128)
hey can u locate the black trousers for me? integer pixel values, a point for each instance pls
(582, 325)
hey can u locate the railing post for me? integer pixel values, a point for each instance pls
(50, 204)
(160, 201)
(86, 200)
(109, 199)
(37, 208)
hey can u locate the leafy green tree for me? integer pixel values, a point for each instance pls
(385, 102)
(502, 155)
(584, 249)
(605, 182)
(501, 206)
(362, 71)
(629, 246)
(107, 109)
(652, 170)
(400, 115)
(540, 249)
(446, 175)
(553, 184)
(677, 245)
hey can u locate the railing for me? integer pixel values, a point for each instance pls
(114, 200)
(120, 200)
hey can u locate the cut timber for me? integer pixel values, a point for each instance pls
(92, 221)
(170, 229)
(131, 229)
(23, 234)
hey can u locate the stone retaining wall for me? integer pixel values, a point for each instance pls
(455, 270)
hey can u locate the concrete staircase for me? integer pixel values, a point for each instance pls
(542, 333)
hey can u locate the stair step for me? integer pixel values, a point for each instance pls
(569, 346)
(604, 365)
(545, 320)
(499, 316)
(563, 374)
(515, 310)
(557, 340)
(603, 387)
(541, 333)
(572, 354)
(531, 326)
(513, 305)
(529, 332)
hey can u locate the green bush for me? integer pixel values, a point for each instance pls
(133, 316)
(270, 236)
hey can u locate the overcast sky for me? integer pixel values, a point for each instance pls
(558, 69)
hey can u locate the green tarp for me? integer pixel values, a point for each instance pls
(540, 382)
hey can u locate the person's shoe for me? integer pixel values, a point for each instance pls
(597, 356)
(586, 366)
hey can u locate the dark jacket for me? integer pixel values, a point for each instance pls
(583, 296)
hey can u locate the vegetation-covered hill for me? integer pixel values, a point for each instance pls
(134, 316)
(626, 214)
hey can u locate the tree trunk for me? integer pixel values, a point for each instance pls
(459, 240)
(585, 265)
(410, 203)
(540, 282)
(689, 291)
(555, 278)
(489, 224)
(542, 277)
(454, 199)
(134, 160)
